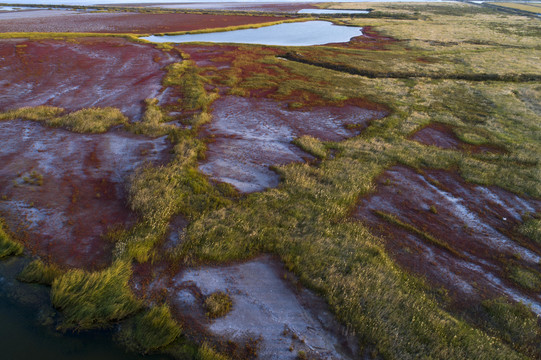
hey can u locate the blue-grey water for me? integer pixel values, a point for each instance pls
(288, 34)
(27, 328)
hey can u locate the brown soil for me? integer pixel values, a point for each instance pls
(476, 222)
(443, 136)
(81, 193)
(88, 72)
(42, 21)
(248, 135)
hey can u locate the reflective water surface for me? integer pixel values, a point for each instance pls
(288, 34)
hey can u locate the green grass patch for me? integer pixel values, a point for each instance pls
(150, 331)
(91, 120)
(525, 278)
(187, 79)
(312, 146)
(208, 353)
(153, 121)
(94, 299)
(40, 273)
(8, 247)
(218, 304)
(515, 324)
(531, 228)
(38, 113)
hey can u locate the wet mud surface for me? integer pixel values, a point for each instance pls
(248, 135)
(89, 72)
(67, 21)
(281, 318)
(442, 136)
(477, 224)
(60, 191)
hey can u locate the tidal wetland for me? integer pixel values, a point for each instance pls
(372, 196)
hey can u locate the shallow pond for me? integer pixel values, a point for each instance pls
(289, 34)
(18, 8)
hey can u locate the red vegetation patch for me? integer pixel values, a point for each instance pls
(249, 135)
(88, 72)
(476, 223)
(241, 6)
(128, 22)
(211, 55)
(443, 136)
(61, 191)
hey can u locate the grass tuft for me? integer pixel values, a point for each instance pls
(91, 120)
(218, 304)
(150, 331)
(8, 247)
(531, 228)
(525, 278)
(94, 299)
(40, 273)
(311, 145)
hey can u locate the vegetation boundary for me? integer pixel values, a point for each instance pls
(231, 28)
(404, 75)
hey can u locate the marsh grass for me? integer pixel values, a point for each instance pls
(218, 304)
(153, 121)
(40, 273)
(90, 120)
(515, 324)
(306, 220)
(38, 113)
(94, 299)
(312, 146)
(8, 246)
(525, 278)
(531, 228)
(149, 331)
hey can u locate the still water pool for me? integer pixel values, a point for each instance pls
(288, 34)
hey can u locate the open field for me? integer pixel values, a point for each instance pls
(530, 7)
(379, 198)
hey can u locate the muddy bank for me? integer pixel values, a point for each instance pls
(248, 135)
(60, 191)
(87, 72)
(370, 40)
(475, 225)
(67, 21)
(443, 136)
(276, 318)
